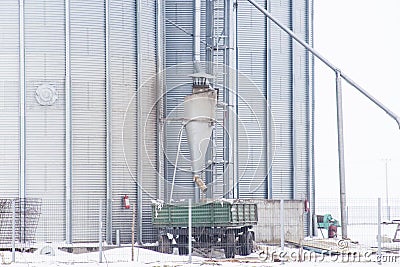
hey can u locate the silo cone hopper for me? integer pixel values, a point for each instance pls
(199, 112)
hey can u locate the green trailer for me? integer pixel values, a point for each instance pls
(224, 224)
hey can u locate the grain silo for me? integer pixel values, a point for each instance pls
(91, 89)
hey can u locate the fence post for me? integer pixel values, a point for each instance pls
(100, 233)
(379, 232)
(133, 231)
(190, 230)
(282, 222)
(117, 238)
(13, 231)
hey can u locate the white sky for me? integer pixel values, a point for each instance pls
(359, 37)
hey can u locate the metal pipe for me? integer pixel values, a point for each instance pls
(117, 238)
(176, 162)
(139, 202)
(13, 231)
(282, 223)
(270, 128)
(108, 127)
(22, 112)
(185, 31)
(100, 232)
(160, 77)
(339, 106)
(190, 230)
(294, 110)
(342, 179)
(387, 190)
(196, 30)
(236, 105)
(311, 128)
(326, 62)
(68, 127)
(379, 254)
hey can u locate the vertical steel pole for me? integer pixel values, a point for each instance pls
(282, 222)
(22, 120)
(140, 131)
(100, 232)
(68, 128)
(379, 255)
(190, 230)
(108, 126)
(160, 97)
(133, 232)
(117, 238)
(387, 190)
(342, 179)
(196, 29)
(22, 112)
(13, 231)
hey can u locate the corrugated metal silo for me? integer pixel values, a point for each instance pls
(70, 79)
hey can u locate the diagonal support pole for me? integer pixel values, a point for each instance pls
(339, 75)
(328, 63)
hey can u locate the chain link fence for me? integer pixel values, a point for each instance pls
(34, 230)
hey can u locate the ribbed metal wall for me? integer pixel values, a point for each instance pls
(281, 101)
(278, 133)
(45, 123)
(304, 187)
(147, 117)
(290, 101)
(252, 105)
(123, 75)
(9, 98)
(88, 115)
(301, 102)
(91, 47)
(179, 57)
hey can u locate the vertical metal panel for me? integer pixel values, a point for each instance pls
(302, 117)
(252, 107)
(122, 23)
(179, 50)
(147, 117)
(45, 121)
(301, 103)
(179, 63)
(281, 101)
(9, 98)
(88, 115)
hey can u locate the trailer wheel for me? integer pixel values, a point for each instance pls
(230, 245)
(246, 243)
(164, 244)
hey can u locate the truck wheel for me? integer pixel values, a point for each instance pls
(246, 243)
(164, 244)
(230, 245)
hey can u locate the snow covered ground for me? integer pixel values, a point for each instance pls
(119, 257)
